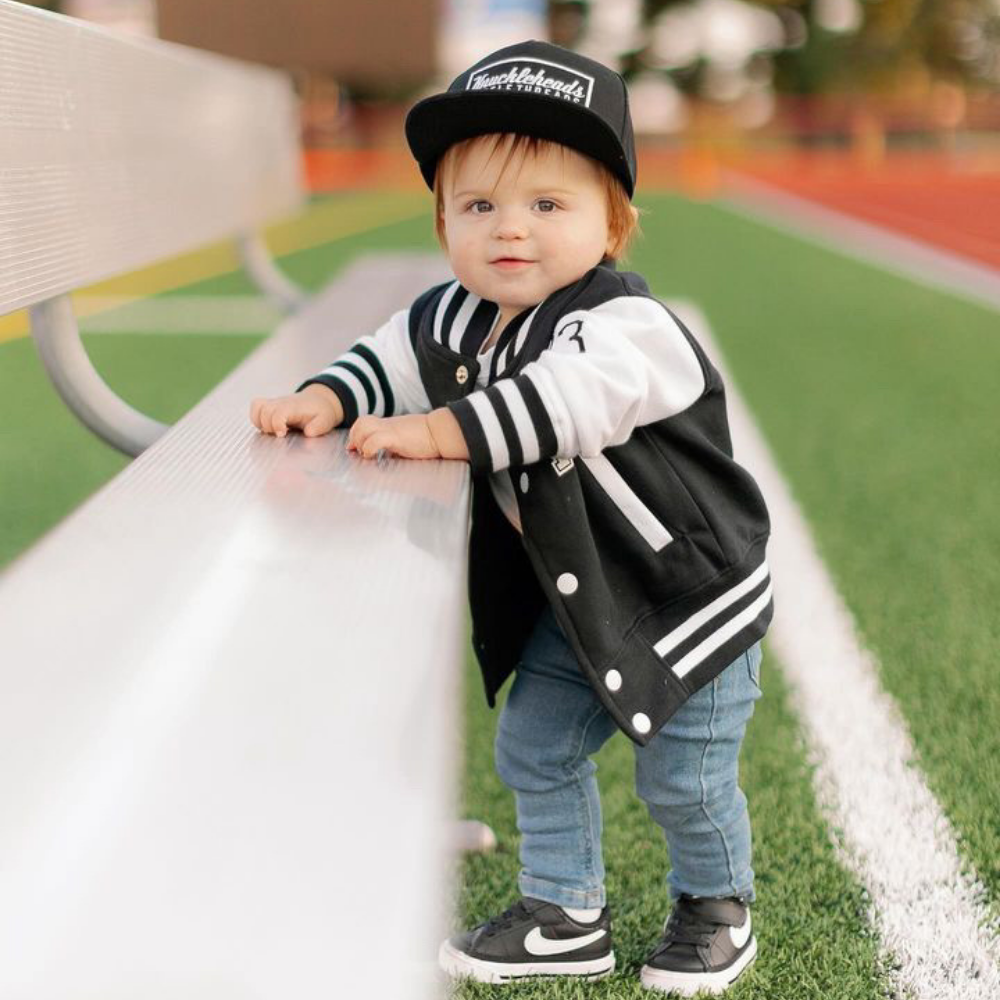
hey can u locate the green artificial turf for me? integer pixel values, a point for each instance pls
(878, 398)
(813, 936)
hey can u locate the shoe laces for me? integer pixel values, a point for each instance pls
(504, 921)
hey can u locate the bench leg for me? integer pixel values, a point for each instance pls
(57, 338)
(259, 264)
(471, 835)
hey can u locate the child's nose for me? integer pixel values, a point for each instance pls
(510, 225)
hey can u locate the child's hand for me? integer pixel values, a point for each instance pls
(407, 436)
(316, 410)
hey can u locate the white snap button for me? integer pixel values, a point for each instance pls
(641, 722)
(613, 679)
(567, 583)
(524, 482)
(461, 374)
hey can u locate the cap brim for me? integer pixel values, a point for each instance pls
(438, 122)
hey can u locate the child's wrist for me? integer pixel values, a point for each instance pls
(446, 434)
(324, 392)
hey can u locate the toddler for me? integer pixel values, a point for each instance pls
(617, 552)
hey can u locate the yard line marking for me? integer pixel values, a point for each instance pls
(897, 840)
(178, 314)
(888, 250)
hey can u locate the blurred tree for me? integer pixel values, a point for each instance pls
(860, 45)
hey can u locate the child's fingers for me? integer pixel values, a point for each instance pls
(319, 424)
(361, 430)
(266, 413)
(374, 443)
(257, 412)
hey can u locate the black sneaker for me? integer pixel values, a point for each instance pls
(707, 944)
(531, 938)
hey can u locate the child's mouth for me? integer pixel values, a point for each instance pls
(511, 263)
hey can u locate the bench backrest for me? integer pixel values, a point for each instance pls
(116, 152)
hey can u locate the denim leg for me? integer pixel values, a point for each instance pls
(688, 777)
(550, 724)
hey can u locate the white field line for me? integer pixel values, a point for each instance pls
(234, 314)
(890, 251)
(896, 839)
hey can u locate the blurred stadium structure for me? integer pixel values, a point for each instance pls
(725, 77)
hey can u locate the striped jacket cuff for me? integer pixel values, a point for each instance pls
(360, 382)
(344, 394)
(505, 424)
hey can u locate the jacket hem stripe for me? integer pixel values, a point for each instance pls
(699, 618)
(708, 646)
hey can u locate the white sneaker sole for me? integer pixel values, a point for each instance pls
(456, 963)
(687, 984)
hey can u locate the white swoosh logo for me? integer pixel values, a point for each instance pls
(741, 935)
(535, 944)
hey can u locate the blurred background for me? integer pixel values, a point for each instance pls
(760, 85)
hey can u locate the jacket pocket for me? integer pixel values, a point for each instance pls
(645, 522)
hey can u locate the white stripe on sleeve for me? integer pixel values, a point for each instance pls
(352, 382)
(530, 449)
(491, 427)
(359, 362)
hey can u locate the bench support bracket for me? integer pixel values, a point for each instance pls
(57, 337)
(259, 264)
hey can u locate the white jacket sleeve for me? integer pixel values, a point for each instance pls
(610, 369)
(378, 375)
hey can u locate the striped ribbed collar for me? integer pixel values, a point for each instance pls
(463, 321)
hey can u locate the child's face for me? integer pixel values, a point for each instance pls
(543, 227)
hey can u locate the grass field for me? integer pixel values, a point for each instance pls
(877, 398)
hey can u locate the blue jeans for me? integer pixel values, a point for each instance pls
(687, 776)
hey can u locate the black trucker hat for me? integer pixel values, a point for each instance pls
(534, 88)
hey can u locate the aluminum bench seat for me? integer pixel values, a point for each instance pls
(229, 680)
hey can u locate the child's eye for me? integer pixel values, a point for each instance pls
(473, 206)
(543, 202)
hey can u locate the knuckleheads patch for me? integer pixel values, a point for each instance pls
(534, 76)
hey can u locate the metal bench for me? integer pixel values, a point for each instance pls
(228, 681)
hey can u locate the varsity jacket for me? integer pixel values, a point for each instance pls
(637, 526)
